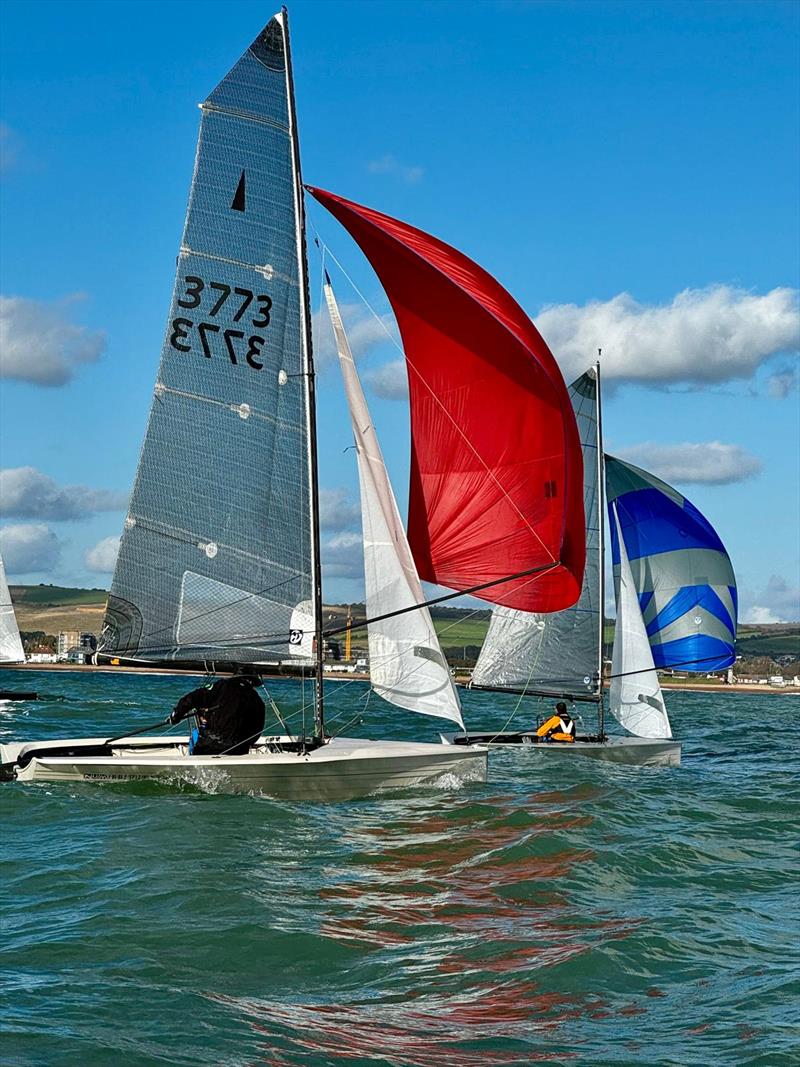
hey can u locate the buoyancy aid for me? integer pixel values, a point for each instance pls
(557, 729)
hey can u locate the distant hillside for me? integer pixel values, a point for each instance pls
(52, 608)
(55, 596)
(461, 631)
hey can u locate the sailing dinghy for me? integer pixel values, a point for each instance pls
(676, 607)
(220, 554)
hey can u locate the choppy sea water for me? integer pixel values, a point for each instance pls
(564, 912)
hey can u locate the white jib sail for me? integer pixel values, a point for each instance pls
(635, 696)
(11, 650)
(406, 663)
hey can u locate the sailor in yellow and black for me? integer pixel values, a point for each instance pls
(559, 727)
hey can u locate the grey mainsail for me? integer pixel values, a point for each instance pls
(556, 653)
(217, 554)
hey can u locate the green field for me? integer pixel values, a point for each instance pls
(55, 596)
(766, 644)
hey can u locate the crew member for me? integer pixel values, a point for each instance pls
(559, 727)
(230, 715)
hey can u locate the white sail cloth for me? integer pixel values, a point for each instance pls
(635, 696)
(407, 666)
(558, 652)
(11, 650)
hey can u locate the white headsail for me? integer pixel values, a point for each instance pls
(11, 650)
(635, 696)
(407, 666)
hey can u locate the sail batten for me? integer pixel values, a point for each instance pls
(496, 465)
(407, 666)
(218, 545)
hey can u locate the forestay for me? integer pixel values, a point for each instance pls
(11, 650)
(407, 666)
(635, 696)
(556, 653)
(681, 571)
(496, 471)
(216, 554)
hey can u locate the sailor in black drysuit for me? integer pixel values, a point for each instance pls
(230, 715)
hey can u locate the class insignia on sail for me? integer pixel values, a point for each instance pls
(680, 570)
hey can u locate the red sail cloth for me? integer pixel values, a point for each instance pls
(496, 464)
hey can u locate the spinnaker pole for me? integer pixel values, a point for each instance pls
(601, 515)
(311, 405)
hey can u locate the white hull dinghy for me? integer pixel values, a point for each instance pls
(642, 751)
(676, 607)
(343, 768)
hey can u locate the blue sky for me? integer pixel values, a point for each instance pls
(600, 159)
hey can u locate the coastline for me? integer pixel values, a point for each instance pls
(690, 687)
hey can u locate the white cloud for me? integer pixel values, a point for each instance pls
(29, 548)
(777, 602)
(39, 344)
(27, 493)
(365, 331)
(784, 382)
(764, 616)
(703, 336)
(708, 463)
(336, 510)
(389, 381)
(390, 164)
(102, 558)
(343, 556)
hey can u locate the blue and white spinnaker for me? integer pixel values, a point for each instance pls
(681, 571)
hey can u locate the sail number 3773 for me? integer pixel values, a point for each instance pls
(248, 307)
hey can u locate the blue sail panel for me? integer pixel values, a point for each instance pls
(682, 572)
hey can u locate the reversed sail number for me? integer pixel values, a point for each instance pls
(236, 343)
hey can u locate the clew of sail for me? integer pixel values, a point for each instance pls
(11, 650)
(216, 559)
(556, 654)
(681, 571)
(496, 469)
(635, 697)
(407, 666)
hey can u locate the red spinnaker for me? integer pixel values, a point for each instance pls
(496, 464)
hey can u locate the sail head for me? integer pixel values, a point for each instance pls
(681, 571)
(407, 666)
(216, 554)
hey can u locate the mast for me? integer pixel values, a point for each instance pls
(311, 406)
(601, 513)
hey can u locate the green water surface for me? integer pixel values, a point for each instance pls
(565, 912)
